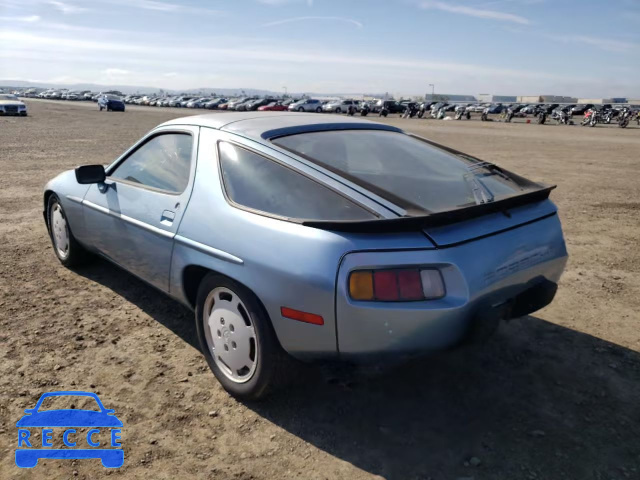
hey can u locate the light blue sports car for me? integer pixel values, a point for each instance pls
(317, 237)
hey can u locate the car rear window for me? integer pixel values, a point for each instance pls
(258, 183)
(408, 171)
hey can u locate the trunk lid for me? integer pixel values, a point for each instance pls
(489, 224)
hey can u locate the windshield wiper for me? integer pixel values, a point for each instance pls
(481, 193)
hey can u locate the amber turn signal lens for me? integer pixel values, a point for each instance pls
(361, 285)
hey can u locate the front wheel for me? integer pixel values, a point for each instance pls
(65, 246)
(237, 339)
(301, 109)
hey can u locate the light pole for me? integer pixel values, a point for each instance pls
(285, 91)
(433, 89)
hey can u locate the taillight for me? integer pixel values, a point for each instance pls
(396, 285)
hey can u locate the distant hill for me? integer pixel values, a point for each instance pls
(132, 89)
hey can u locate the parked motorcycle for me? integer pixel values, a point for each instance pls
(624, 118)
(351, 110)
(591, 118)
(609, 115)
(364, 111)
(423, 109)
(384, 111)
(410, 112)
(485, 115)
(541, 115)
(508, 116)
(561, 116)
(461, 111)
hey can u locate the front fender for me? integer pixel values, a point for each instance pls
(71, 194)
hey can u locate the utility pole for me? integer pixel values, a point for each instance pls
(433, 89)
(285, 91)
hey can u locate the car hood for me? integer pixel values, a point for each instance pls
(11, 102)
(69, 418)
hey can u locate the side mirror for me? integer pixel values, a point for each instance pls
(88, 174)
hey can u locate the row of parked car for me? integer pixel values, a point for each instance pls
(248, 103)
(268, 103)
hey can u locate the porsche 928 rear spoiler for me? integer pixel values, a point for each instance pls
(419, 222)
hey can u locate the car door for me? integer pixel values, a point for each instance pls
(133, 216)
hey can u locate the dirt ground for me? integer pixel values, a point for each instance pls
(551, 396)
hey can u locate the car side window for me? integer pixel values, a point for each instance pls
(253, 181)
(163, 162)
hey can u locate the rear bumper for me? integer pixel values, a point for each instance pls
(499, 277)
(21, 113)
(28, 457)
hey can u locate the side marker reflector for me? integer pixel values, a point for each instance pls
(301, 316)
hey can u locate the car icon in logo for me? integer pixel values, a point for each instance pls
(27, 455)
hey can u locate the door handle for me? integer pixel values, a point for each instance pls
(167, 217)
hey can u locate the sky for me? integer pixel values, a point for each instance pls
(584, 48)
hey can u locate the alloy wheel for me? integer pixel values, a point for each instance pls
(230, 334)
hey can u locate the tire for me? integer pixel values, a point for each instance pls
(257, 348)
(318, 110)
(338, 110)
(65, 246)
(100, 107)
(301, 109)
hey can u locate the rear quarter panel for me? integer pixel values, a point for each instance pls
(283, 263)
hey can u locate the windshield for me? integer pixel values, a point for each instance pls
(73, 402)
(112, 97)
(410, 172)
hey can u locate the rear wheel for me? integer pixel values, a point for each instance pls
(338, 110)
(237, 339)
(318, 110)
(65, 246)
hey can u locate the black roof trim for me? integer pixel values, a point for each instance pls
(323, 127)
(404, 224)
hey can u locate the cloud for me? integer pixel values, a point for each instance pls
(66, 8)
(115, 72)
(474, 12)
(157, 6)
(153, 61)
(159, 55)
(30, 19)
(304, 19)
(278, 3)
(601, 43)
